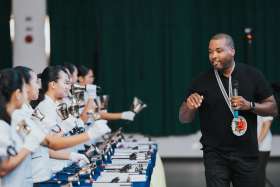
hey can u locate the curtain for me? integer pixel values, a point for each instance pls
(5, 40)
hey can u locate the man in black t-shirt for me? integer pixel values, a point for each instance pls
(230, 148)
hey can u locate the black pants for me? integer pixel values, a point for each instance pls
(221, 169)
(263, 159)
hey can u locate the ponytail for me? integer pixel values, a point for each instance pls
(11, 80)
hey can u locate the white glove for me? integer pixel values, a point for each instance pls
(128, 115)
(76, 157)
(98, 129)
(83, 163)
(91, 90)
(102, 126)
(94, 132)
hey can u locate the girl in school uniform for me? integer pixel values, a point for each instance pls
(17, 139)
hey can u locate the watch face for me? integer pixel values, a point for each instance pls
(253, 106)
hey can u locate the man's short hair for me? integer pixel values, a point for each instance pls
(227, 37)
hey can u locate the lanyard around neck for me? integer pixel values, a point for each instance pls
(222, 88)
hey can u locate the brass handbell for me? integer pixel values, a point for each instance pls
(98, 90)
(77, 88)
(87, 169)
(37, 114)
(62, 111)
(80, 96)
(137, 105)
(23, 129)
(97, 102)
(92, 151)
(78, 91)
(74, 108)
(104, 101)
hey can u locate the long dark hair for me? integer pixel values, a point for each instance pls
(50, 73)
(11, 80)
(25, 73)
(83, 71)
(71, 68)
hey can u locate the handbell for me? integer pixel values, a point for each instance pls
(37, 114)
(78, 92)
(80, 96)
(97, 102)
(75, 88)
(104, 101)
(74, 110)
(92, 151)
(23, 129)
(62, 111)
(137, 105)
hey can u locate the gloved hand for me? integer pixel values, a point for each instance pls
(82, 163)
(91, 90)
(94, 132)
(128, 115)
(76, 157)
(102, 126)
(98, 129)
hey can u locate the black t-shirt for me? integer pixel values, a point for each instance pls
(215, 115)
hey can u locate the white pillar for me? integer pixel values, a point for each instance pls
(29, 42)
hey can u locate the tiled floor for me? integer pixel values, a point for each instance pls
(190, 172)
